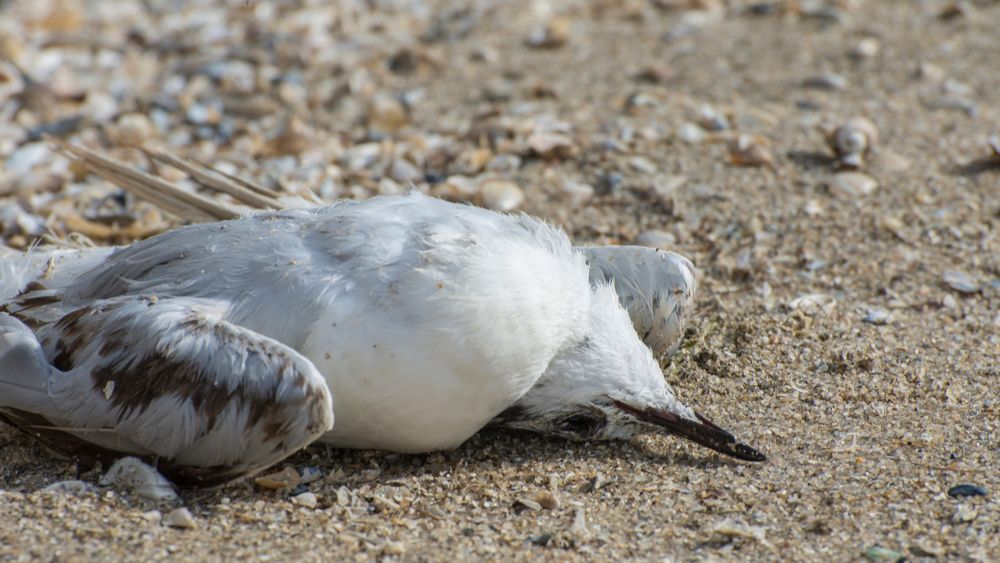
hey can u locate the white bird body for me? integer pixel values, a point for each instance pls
(222, 348)
(407, 307)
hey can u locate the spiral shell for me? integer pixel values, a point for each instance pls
(852, 141)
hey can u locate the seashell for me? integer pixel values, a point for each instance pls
(750, 150)
(287, 478)
(500, 195)
(849, 185)
(553, 34)
(852, 141)
(132, 474)
(713, 120)
(180, 518)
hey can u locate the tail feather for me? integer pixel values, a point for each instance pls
(48, 267)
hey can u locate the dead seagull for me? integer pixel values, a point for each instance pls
(220, 348)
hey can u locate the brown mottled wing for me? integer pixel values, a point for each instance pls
(172, 377)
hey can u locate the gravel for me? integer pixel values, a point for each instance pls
(867, 423)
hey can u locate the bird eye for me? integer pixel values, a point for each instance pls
(582, 424)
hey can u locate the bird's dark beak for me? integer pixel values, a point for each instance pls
(702, 431)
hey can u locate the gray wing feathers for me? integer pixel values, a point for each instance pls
(656, 287)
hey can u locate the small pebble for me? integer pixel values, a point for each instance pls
(498, 90)
(642, 164)
(964, 513)
(877, 316)
(546, 500)
(306, 499)
(504, 164)
(656, 239)
(393, 549)
(826, 82)
(180, 518)
(690, 133)
(930, 72)
(851, 185)
(74, 487)
(553, 34)
(813, 303)
(133, 129)
(966, 490)
(386, 112)
(961, 282)
(879, 553)
(551, 145)
(405, 172)
(500, 195)
(866, 49)
(577, 193)
(813, 208)
(309, 474)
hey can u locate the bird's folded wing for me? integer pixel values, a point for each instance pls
(656, 287)
(174, 378)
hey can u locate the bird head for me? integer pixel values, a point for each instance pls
(607, 385)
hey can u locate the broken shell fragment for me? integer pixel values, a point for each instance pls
(130, 473)
(287, 478)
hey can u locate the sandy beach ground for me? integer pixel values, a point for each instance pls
(847, 324)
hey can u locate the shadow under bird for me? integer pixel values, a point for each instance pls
(398, 323)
